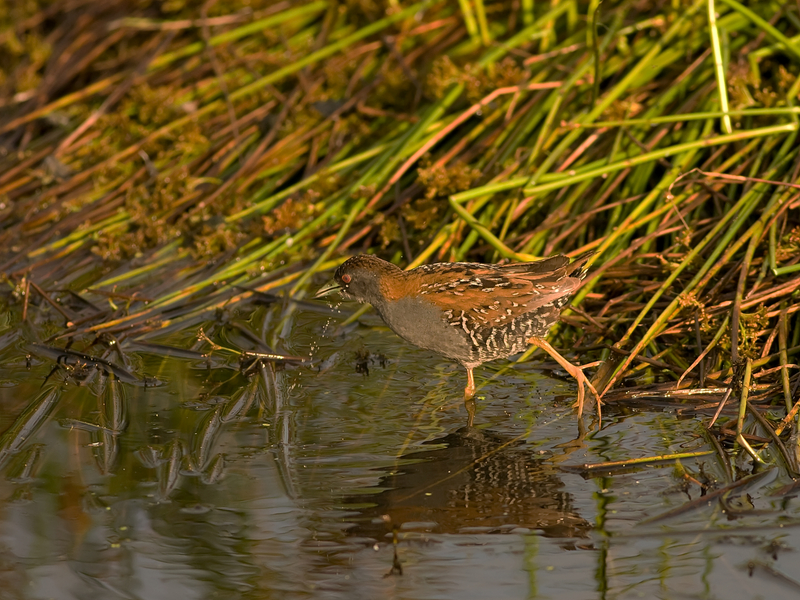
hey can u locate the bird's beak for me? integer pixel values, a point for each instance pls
(327, 290)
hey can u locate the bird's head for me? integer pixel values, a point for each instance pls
(362, 278)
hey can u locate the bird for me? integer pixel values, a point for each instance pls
(471, 313)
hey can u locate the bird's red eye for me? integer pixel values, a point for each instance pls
(346, 278)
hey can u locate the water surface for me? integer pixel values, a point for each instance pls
(328, 479)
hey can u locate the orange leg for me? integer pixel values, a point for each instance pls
(469, 393)
(576, 372)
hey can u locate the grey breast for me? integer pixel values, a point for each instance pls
(423, 324)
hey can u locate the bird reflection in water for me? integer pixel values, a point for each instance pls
(476, 482)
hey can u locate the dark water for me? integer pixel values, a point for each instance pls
(296, 482)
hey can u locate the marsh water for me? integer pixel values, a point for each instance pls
(351, 475)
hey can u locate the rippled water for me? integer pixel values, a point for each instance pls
(329, 479)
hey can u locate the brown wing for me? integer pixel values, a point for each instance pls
(479, 296)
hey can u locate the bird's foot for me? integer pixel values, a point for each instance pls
(575, 371)
(469, 404)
